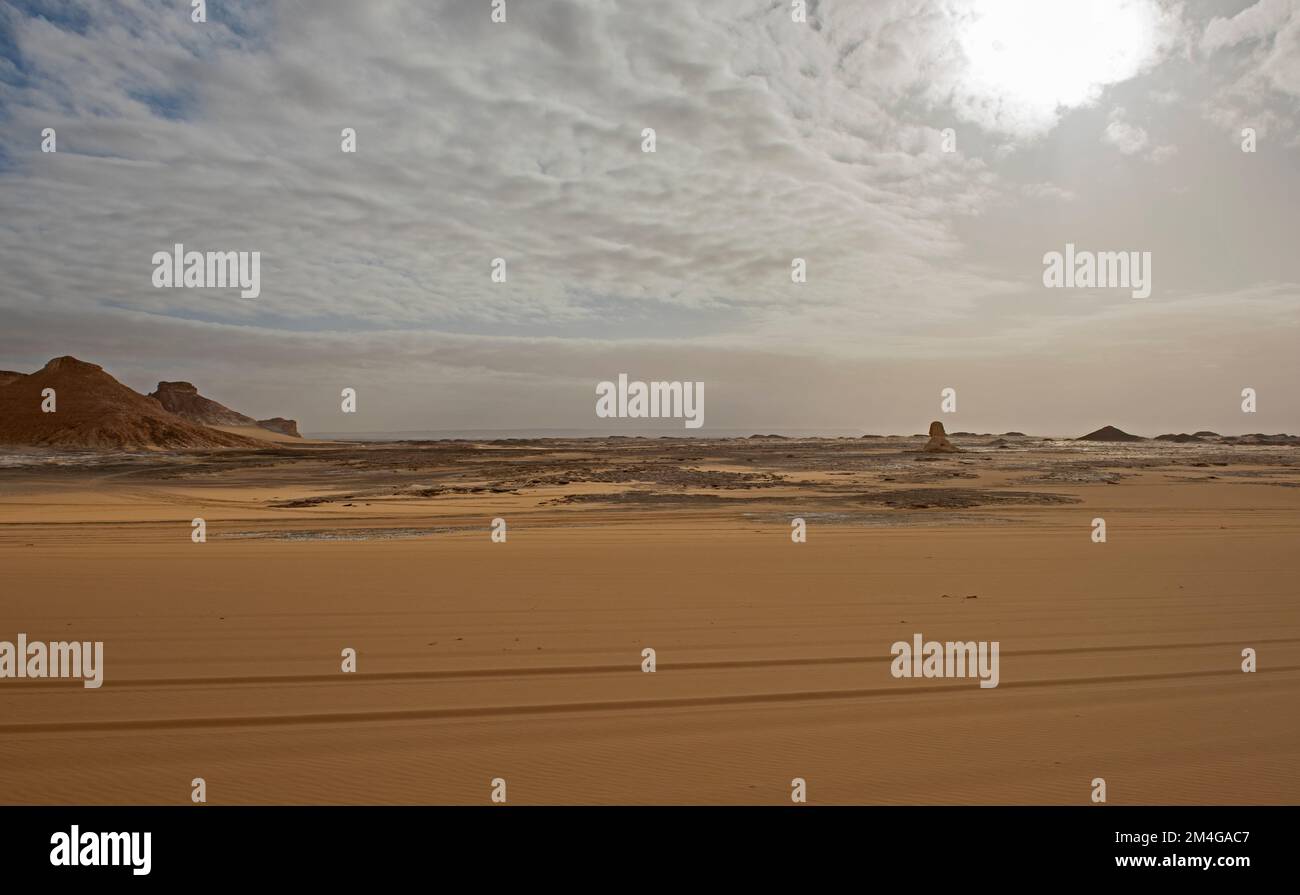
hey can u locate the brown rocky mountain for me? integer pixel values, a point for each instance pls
(92, 410)
(184, 400)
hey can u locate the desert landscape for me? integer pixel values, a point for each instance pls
(416, 406)
(521, 658)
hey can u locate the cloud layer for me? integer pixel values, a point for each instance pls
(775, 139)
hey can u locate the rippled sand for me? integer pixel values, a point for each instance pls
(522, 660)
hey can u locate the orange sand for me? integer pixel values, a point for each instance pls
(522, 660)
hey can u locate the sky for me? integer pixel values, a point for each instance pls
(1113, 125)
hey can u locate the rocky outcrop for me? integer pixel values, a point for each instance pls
(184, 400)
(93, 411)
(939, 443)
(281, 425)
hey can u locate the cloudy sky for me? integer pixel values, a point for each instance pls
(1115, 125)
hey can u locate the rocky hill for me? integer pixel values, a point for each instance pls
(93, 411)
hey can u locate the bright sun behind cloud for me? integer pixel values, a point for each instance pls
(1027, 59)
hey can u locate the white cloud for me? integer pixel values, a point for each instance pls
(1162, 153)
(775, 140)
(1256, 22)
(475, 141)
(1127, 138)
(1130, 139)
(1262, 44)
(1049, 191)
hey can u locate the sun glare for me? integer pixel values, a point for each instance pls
(1038, 55)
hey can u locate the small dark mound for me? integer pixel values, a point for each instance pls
(1109, 433)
